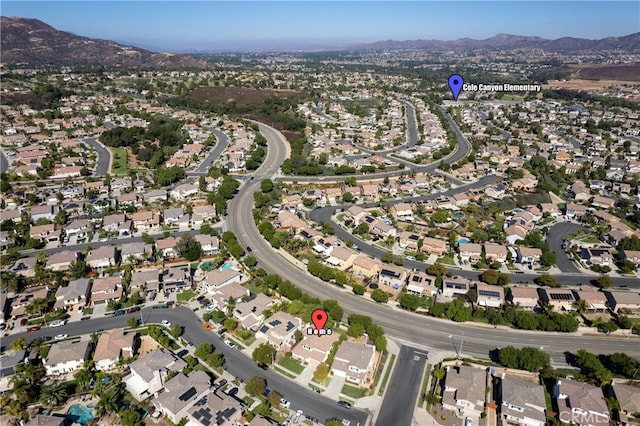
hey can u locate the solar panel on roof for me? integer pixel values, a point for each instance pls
(414, 237)
(264, 329)
(188, 394)
(489, 293)
(416, 279)
(388, 272)
(290, 326)
(275, 322)
(560, 296)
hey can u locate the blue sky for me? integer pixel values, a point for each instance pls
(205, 25)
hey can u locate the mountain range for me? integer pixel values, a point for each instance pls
(32, 43)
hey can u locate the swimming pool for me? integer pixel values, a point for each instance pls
(463, 240)
(207, 266)
(226, 266)
(79, 414)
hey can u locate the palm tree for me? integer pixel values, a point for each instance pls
(37, 305)
(109, 401)
(580, 306)
(53, 395)
(83, 379)
(18, 344)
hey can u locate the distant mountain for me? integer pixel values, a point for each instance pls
(33, 43)
(511, 42)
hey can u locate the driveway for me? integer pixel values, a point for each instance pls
(555, 236)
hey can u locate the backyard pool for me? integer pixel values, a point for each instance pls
(207, 266)
(80, 414)
(226, 266)
(458, 215)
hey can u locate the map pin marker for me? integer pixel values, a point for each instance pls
(455, 84)
(319, 318)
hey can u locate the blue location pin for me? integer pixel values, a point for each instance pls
(455, 84)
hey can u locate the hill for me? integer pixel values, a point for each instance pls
(32, 43)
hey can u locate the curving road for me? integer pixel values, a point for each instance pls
(237, 362)
(401, 325)
(103, 157)
(221, 144)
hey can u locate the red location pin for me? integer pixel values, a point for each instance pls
(319, 318)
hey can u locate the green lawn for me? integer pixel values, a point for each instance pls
(386, 375)
(354, 391)
(447, 260)
(325, 382)
(185, 296)
(291, 364)
(119, 164)
(423, 388)
(285, 372)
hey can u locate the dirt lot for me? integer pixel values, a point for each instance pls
(242, 96)
(579, 84)
(147, 344)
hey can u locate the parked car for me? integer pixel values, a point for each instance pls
(61, 337)
(118, 313)
(85, 318)
(133, 309)
(221, 383)
(32, 329)
(344, 404)
(166, 323)
(57, 323)
(222, 331)
(182, 353)
(284, 403)
(229, 343)
(23, 322)
(210, 308)
(468, 421)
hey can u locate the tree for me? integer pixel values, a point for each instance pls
(53, 395)
(604, 281)
(230, 324)
(347, 197)
(592, 368)
(321, 372)
(440, 216)
(83, 378)
(264, 354)
(132, 322)
(608, 327)
(490, 277)
(580, 306)
(250, 261)
(333, 421)
(255, 386)
(358, 289)
(189, 248)
(273, 399)
(266, 185)
(410, 301)
(110, 401)
(18, 344)
(437, 269)
(334, 309)
(176, 330)
(78, 269)
(380, 295)
(547, 280)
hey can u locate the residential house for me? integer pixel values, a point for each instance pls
(43, 212)
(402, 212)
(174, 216)
(341, 258)
(135, 252)
(61, 260)
(596, 256)
(217, 408)
(79, 228)
(624, 302)
(149, 372)
(184, 190)
(203, 214)
(219, 278)
(279, 330)
(561, 299)
(631, 255)
(251, 313)
(580, 403)
(421, 284)
(392, 276)
(145, 279)
(114, 345)
(356, 362)
(66, 357)
(105, 289)
(46, 420)
(354, 215)
(76, 293)
(515, 233)
(470, 252)
(408, 240)
(603, 202)
(102, 257)
(495, 253)
(455, 286)
(596, 300)
(20, 301)
(464, 390)
(627, 396)
(117, 223)
(365, 266)
(229, 294)
(176, 278)
(314, 349)
(146, 221)
(491, 296)
(528, 255)
(524, 296)
(46, 233)
(24, 266)
(522, 402)
(209, 243)
(574, 211)
(167, 247)
(434, 246)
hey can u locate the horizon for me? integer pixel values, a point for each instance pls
(223, 26)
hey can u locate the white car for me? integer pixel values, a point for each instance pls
(61, 337)
(57, 323)
(468, 421)
(229, 343)
(210, 308)
(284, 403)
(166, 323)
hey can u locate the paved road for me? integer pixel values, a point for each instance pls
(103, 157)
(555, 236)
(401, 325)
(4, 163)
(237, 362)
(400, 397)
(221, 144)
